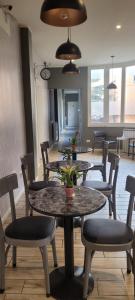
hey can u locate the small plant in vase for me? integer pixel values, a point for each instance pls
(66, 175)
(67, 155)
(74, 141)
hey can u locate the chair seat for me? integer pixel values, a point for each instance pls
(131, 145)
(30, 228)
(97, 165)
(104, 231)
(39, 185)
(97, 185)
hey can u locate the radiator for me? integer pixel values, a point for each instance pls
(127, 134)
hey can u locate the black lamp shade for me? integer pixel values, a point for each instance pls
(112, 86)
(70, 69)
(63, 13)
(68, 51)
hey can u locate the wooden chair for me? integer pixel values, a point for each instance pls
(108, 188)
(45, 159)
(101, 166)
(36, 231)
(110, 235)
(98, 138)
(27, 165)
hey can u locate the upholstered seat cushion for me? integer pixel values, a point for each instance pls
(30, 228)
(39, 185)
(97, 165)
(104, 231)
(97, 185)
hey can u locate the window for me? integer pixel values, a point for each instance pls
(115, 75)
(130, 95)
(114, 107)
(97, 95)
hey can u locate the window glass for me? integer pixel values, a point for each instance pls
(97, 95)
(130, 95)
(115, 75)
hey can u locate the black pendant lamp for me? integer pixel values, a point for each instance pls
(70, 69)
(68, 50)
(112, 85)
(63, 13)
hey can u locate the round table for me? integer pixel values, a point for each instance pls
(78, 150)
(67, 282)
(82, 166)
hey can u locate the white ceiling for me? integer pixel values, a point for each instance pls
(97, 38)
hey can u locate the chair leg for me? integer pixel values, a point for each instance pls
(128, 262)
(54, 253)
(2, 266)
(87, 268)
(133, 153)
(14, 257)
(110, 206)
(133, 267)
(46, 269)
(114, 206)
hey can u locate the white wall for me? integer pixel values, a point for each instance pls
(42, 107)
(12, 127)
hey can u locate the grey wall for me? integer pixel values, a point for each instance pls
(60, 81)
(12, 129)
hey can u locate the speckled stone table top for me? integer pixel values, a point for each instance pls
(53, 201)
(79, 149)
(80, 164)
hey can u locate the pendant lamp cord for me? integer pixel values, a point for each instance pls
(112, 66)
(69, 34)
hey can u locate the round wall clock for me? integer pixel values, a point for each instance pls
(45, 73)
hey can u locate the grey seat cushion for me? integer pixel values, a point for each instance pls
(103, 231)
(97, 185)
(97, 165)
(30, 228)
(39, 185)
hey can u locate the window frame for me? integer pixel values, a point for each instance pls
(106, 95)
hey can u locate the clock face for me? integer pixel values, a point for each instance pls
(45, 74)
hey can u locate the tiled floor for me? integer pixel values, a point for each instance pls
(26, 282)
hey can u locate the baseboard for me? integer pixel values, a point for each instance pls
(17, 199)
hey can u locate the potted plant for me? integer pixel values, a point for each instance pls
(66, 175)
(67, 155)
(74, 141)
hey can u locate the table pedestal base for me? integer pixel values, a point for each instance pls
(68, 289)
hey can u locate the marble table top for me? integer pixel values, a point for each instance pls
(79, 149)
(80, 164)
(52, 201)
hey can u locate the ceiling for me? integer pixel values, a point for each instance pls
(97, 38)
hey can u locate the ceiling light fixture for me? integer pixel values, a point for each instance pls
(68, 50)
(70, 69)
(6, 6)
(112, 85)
(118, 27)
(63, 13)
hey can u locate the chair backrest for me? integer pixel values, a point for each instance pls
(113, 159)
(105, 146)
(130, 187)
(7, 185)
(98, 133)
(27, 165)
(45, 158)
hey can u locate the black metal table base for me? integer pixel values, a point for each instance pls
(68, 288)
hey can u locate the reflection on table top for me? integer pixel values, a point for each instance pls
(53, 201)
(79, 149)
(80, 164)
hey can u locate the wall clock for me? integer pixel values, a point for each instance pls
(45, 73)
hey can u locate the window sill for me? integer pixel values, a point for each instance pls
(111, 125)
